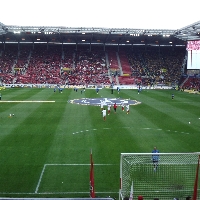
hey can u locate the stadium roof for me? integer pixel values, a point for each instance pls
(90, 35)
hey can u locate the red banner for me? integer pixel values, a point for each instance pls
(92, 192)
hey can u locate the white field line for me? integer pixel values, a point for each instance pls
(27, 101)
(78, 164)
(36, 190)
(41, 175)
(31, 193)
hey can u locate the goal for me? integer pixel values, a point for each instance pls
(173, 177)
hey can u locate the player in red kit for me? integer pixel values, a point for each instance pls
(115, 107)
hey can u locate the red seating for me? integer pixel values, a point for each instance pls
(126, 68)
(54, 65)
(113, 63)
(126, 80)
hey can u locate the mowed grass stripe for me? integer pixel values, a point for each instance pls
(144, 130)
(101, 140)
(171, 123)
(190, 101)
(30, 141)
(72, 126)
(164, 116)
(169, 109)
(83, 137)
(16, 94)
(23, 94)
(111, 139)
(20, 110)
(44, 134)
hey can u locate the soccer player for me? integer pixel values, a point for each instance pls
(111, 90)
(104, 114)
(155, 158)
(118, 90)
(172, 96)
(139, 89)
(127, 109)
(115, 107)
(109, 106)
(122, 106)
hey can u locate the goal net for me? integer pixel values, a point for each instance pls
(172, 177)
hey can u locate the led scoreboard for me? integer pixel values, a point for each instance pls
(193, 54)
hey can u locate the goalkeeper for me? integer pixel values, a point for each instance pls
(155, 158)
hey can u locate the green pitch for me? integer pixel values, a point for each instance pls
(45, 147)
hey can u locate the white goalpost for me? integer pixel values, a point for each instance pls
(174, 176)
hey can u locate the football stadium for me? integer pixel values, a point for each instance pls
(104, 112)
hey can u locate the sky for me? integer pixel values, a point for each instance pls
(137, 14)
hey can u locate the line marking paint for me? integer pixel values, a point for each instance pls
(41, 175)
(76, 164)
(42, 193)
(82, 131)
(27, 101)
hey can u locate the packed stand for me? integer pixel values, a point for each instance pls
(89, 68)
(68, 66)
(192, 83)
(44, 67)
(157, 65)
(7, 61)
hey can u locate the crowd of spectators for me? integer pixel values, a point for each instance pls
(89, 68)
(69, 66)
(7, 60)
(157, 65)
(191, 83)
(43, 67)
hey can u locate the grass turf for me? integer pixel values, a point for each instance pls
(45, 147)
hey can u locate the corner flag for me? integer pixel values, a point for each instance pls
(131, 192)
(196, 182)
(92, 193)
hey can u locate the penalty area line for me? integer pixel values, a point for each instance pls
(57, 164)
(40, 179)
(74, 164)
(27, 101)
